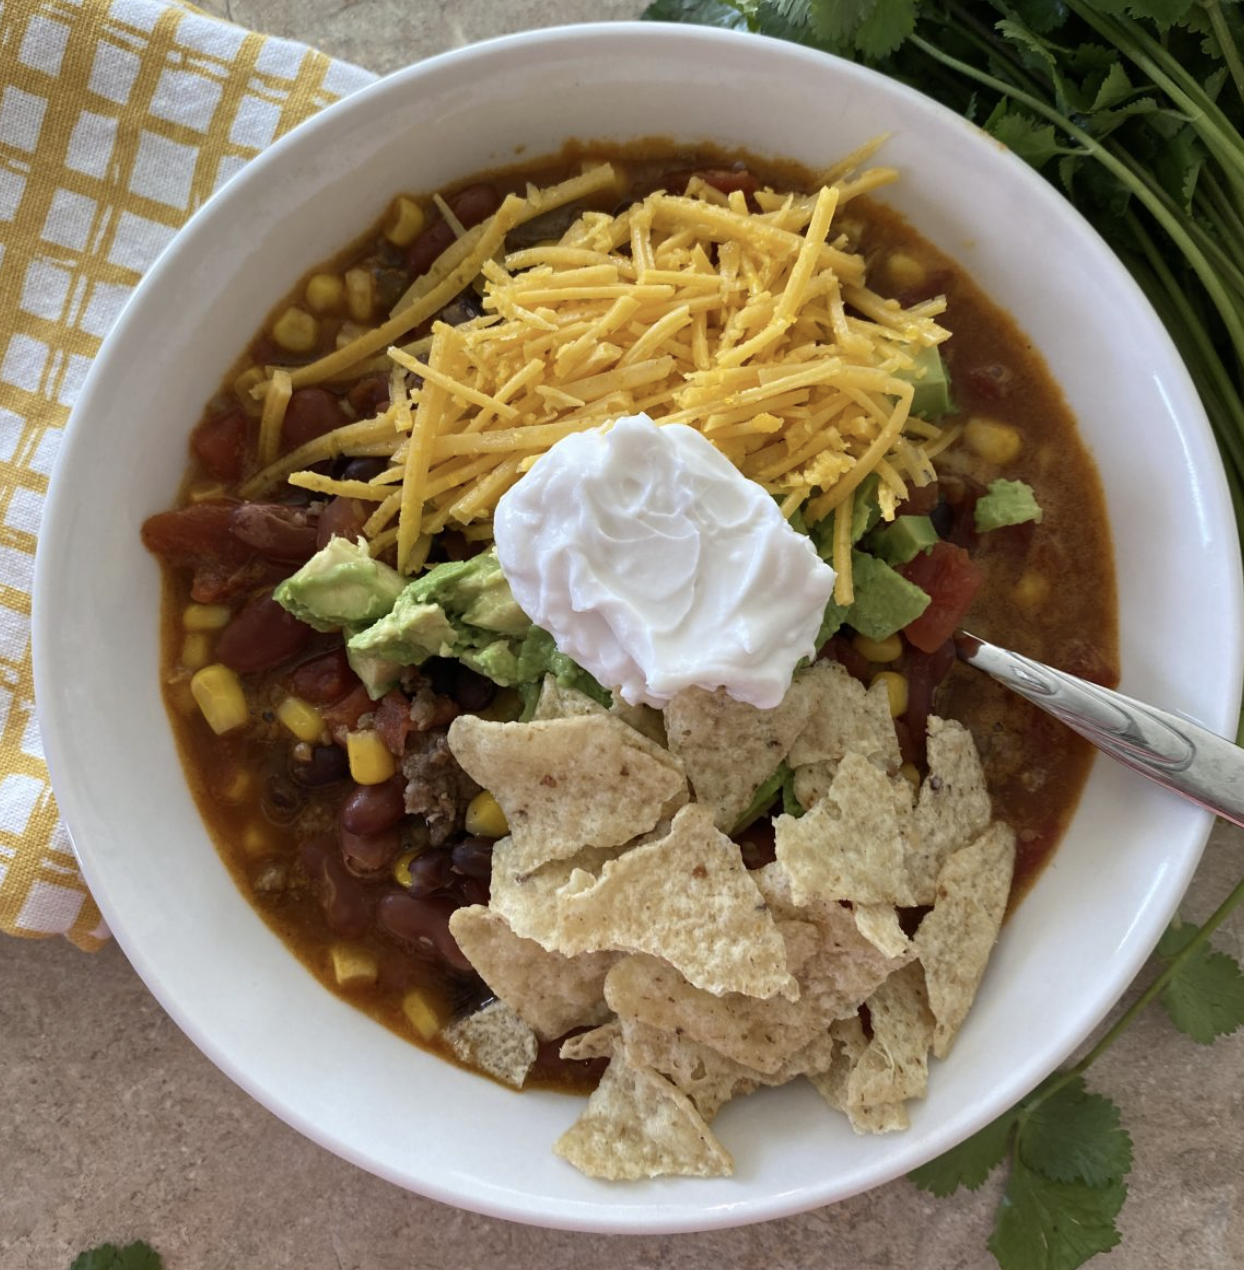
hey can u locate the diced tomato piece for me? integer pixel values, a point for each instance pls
(343, 716)
(951, 579)
(393, 720)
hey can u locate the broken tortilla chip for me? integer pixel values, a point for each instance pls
(549, 992)
(590, 780)
(895, 1066)
(688, 899)
(953, 806)
(637, 1124)
(729, 748)
(852, 844)
(843, 715)
(494, 1040)
(956, 938)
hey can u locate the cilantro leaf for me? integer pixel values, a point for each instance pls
(1075, 1136)
(700, 12)
(1205, 998)
(969, 1163)
(1034, 142)
(1047, 1225)
(135, 1256)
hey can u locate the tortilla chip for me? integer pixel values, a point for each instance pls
(895, 1066)
(843, 715)
(565, 784)
(637, 1124)
(598, 1043)
(955, 940)
(852, 844)
(556, 701)
(729, 748)
(549, 992)
(812, 781)
(494, 1040)
(953, 806)
(688, 899)
(525, 897)
(644, 719)
(879, 924)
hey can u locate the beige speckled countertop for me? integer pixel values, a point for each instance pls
(114, 1127)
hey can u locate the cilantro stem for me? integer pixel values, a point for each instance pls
(1226, 42)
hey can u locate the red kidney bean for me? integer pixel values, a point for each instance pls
(368, 855)
(260, 636)
(342, 518)
(369, 396)
(371, 809)
(280, 533)
(342, 897)
(185, 537)
(219, 443)
(473, 857)
(430, 872)
(422, 925)
(326, 765)
(311, 413)
(471, 205)
(324, 679)
(473, 890)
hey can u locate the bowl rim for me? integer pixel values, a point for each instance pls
(281, 156)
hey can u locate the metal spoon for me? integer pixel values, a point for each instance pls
(1182, 757)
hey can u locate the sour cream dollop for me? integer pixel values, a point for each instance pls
(658, 566)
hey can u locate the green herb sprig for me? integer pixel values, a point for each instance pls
(1134, 109)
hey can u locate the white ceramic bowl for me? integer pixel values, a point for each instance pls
(1078, 938)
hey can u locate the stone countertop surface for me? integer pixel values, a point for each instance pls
(114, 1127)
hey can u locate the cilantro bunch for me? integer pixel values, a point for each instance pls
(1134, 109)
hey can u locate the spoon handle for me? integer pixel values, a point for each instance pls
(1178, 755)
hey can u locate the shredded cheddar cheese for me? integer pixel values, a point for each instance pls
(754, 324)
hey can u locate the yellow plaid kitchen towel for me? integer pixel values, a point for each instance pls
(117, 120)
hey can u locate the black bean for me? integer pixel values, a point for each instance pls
(472, 691)
(327, 764)
(282, 799)
(473, 857)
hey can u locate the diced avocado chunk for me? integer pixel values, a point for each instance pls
(900, 540)
(410, 633)
(495, 661)
(475, 593)
(781, 785)
(1006, 503)
(538, 656)
(378, 674)
(865, 512)
(931, 382)
(885, 601)
(341, 585)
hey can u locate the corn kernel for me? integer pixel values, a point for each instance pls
(371, 762)
(348, 333)
(234, 787)
(896, 690)
(995, 442)
(405, 223)
(205, 617)
(401, 868)
(484, 817)
(296, 331)
(910, 772)
(904, 271)
(221, 699)
(242, 387)
(421, 1014)
(1031, 591)
(255, 840)
(360, 294)
(301, 718)
(353, 967)
(324, 292)
(196, 650)
(879, 650)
